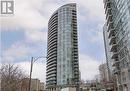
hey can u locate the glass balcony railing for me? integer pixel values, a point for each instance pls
(113, 48)
(112, 40)
(114, 55)
(111, 33)
(116, 71)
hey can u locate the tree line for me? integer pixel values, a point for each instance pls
(10, 77)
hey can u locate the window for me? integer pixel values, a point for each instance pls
(123, 77)
(129, 73)
(63, 76)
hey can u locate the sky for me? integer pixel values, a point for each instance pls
(24, 35)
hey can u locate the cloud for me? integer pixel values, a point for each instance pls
(95, 35)
(36, 36)
(26, 16)
(17, 50)
(88, 67)
(30, 15)
(34, 14)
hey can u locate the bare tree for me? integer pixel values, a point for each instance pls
(11, 77)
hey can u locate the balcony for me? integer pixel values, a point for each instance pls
(76, 66)
(76, 73)
(112, 40)
(110, 22)
(114, 55)
(116, 71)
(51, 75)
(109, 13)
(51, 66)
(75, 63)
(113, 48)
(52, 62)
(108, 8)
(51, 82)
(109, 19)
(111, 33)
(116, 68)
(115, 63)
(51, 69)
(106, 3)
(110, 26)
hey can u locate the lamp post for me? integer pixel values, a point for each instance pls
(32, 61)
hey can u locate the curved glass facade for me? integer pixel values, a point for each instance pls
(62, 54)
(51, 73)
(118, 28)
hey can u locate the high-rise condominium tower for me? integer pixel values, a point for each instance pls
(62, 52)
(118, 40)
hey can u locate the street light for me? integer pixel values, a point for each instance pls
(32, 61)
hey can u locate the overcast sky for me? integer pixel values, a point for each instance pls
(25, 35)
